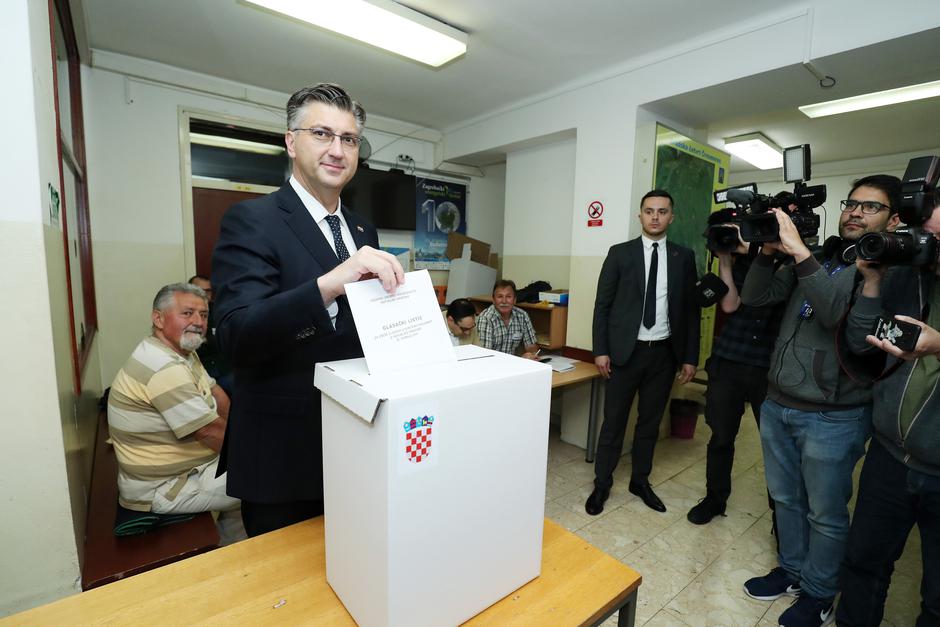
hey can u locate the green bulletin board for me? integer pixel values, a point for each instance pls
(690, 172)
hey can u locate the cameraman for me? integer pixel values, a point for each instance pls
(737, 374)
(900, 481)
(816, 419)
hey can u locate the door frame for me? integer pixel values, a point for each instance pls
(187, 181)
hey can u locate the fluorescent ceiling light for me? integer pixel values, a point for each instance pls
(756, 150)
(870, 101)
(381, 23)
(235, 144)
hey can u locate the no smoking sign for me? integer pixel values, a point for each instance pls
(595, 211)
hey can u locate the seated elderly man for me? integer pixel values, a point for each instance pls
(504, 327)
(167, 418)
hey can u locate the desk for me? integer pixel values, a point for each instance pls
(583, 371)
(280, 579)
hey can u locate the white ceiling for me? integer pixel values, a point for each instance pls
(520, 48)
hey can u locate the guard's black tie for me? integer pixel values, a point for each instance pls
(649, 309)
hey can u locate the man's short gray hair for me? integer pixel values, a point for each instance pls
(164, 298)
(329, 94)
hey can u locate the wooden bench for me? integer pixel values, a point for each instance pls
(108, 557)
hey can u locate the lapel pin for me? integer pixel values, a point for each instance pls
(360, 229)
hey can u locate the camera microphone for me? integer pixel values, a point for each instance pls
(741, 196)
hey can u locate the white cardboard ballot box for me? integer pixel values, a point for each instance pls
(434, 484)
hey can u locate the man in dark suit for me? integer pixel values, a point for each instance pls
(646, 323)
(279, 270)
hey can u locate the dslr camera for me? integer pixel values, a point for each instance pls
(751, 212)
(911, 245)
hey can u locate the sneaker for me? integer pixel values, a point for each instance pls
(775, 584)
(807, 611)
(708, 508)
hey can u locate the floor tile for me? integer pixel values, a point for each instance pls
(693, 574)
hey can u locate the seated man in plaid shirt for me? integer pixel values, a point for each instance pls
(503, 326)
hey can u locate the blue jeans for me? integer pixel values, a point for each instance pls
(892, 498)
(808, 463)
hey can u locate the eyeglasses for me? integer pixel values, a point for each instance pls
(870, 207)
(325, 136)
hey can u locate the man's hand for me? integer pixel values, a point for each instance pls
(742, 248)
(603, 365)
(532, 351)
(872, 272)
(685, 374)
(367, 263)
(790, 241)
(927, 344)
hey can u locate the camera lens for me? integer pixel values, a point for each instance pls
(871, 246)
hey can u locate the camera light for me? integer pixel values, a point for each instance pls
(796, 164)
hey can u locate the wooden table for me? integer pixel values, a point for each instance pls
(583, 371)
(280, 579)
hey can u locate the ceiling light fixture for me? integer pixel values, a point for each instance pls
(872, 100)
(756, 150)
(381, 23)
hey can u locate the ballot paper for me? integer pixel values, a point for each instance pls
(400, 330)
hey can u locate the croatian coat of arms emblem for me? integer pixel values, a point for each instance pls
(418, 438)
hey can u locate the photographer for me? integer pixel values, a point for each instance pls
(737, 374)
(900, 480)
(816, 419)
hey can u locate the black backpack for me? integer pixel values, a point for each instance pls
(530, 293)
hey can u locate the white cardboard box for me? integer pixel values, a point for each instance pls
(436, 541)
(468, 278)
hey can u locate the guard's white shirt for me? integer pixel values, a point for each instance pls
(319, 213)
(660, 330)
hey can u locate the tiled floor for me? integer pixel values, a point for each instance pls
(692, 575)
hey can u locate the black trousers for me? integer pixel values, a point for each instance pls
(651, 370)
(891, 499)
(730, 385)
(260, 518)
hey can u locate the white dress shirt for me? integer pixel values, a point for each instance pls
(319, 213)
(660, 330)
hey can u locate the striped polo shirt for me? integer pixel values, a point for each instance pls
(158, 400)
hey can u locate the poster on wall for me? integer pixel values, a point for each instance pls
(441, 209)
(690, 172)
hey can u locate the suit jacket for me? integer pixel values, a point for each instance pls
(273, 327)
(618, 307)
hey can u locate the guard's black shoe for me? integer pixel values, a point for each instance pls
(595, 502)
(646, 494)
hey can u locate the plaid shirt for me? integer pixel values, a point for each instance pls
(750, 332)
(496, 335)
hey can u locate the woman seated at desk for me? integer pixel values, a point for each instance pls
(460, 317)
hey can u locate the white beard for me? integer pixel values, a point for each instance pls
(191, 341)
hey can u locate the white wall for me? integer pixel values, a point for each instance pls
(537, 231)
(39, 536)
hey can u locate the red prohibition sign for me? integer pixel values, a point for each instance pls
(596, 209)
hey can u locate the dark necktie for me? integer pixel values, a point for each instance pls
(341, 251)
(649, 309)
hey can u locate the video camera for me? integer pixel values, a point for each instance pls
(751, 212)
(912, 245)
